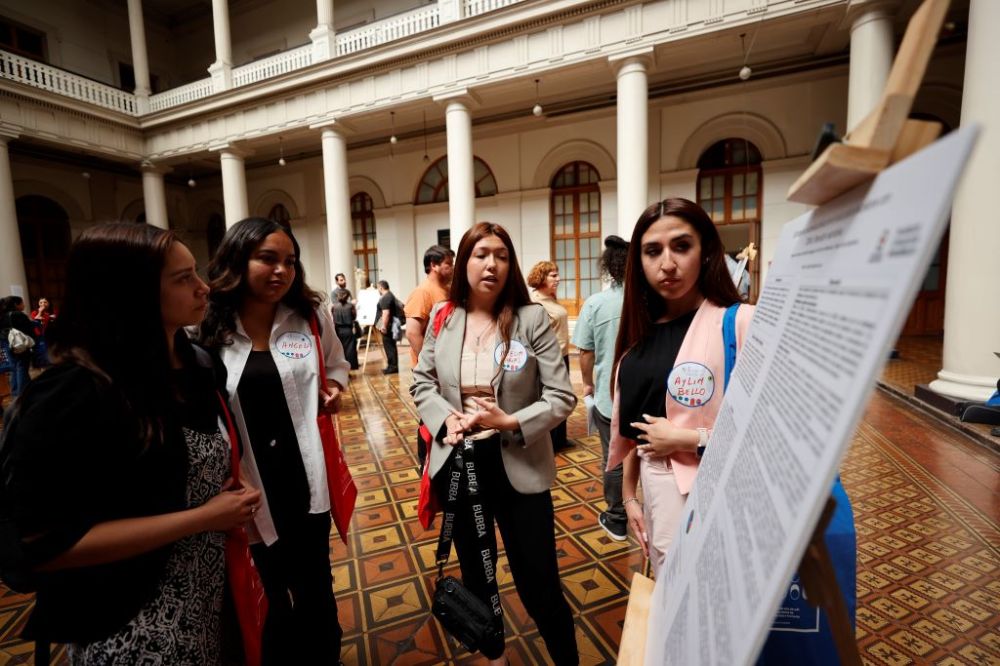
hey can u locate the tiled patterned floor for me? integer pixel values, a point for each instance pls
(926, 503)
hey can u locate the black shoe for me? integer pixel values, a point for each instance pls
(391, 371)
(615, 532)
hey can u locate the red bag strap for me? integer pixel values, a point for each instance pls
(233, 448)
(442, 315)
(314, 327)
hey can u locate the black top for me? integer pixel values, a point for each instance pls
(386, 302)
(642, 377)
(343, 314)
(272, 438)
(76, 460)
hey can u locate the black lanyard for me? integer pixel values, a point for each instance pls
(464, 465)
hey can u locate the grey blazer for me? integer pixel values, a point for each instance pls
(539, 394)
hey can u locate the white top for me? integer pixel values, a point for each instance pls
(292, 347)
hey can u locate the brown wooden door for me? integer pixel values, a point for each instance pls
(927, 314)
(45, 241)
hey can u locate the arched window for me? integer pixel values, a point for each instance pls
(279, 214)
(433, 186)
(214, 231)
(365, 239)
(729, 189)
(576, 233)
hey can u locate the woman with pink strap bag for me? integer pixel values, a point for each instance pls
(670, 363)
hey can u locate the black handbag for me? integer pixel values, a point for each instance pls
(465, 616)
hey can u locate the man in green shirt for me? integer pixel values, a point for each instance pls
(595, 335)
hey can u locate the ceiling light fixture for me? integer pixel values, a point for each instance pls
(191, 181)
(537, 108)
(281, 153)
(392, 120)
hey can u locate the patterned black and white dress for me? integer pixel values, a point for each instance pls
(181, 624)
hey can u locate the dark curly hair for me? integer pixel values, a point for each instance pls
(614, 257)
(227, 279)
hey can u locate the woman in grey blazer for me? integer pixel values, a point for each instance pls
(491, 381)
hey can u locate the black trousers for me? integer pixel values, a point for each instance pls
(558, 434)
(527, 525)
(350, 344)
(391, 355)
(301, 625)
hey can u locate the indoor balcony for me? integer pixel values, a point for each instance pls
(370, 35)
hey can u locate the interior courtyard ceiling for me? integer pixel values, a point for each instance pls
(805, 40)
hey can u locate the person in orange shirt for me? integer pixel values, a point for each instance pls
(439, 262)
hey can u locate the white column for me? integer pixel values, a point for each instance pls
(971, 314)
(13, 280)
(140, 61)
(155, 195)
(450, 10)
(234, 182)
(633, 137)
(323, 36)
(222, 69)
(339, 239)
(871, 56)
(461, 182)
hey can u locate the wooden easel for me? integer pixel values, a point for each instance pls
(886, 135)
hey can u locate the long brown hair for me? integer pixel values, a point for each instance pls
(642, 305)
(514, 293)
(111, 266)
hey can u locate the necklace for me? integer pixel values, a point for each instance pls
(486, 327)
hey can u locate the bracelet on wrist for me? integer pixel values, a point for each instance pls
(631, 499)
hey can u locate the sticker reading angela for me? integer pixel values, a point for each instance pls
(294, 344)
(516, 359)
(691, 384)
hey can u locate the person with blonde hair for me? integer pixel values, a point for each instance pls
(543, 278)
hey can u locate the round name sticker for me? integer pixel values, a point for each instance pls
(691, 384)
(516, 359)
(294, 344)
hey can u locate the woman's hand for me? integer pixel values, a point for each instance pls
(660, 437)
(329, 402)
(490, 415)
(638, 523)
(230, 508)
(455, 427)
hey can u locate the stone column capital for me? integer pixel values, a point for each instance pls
(232, 149)
(148, 166)
(335, 125)
(463, 96)
(860, 12)
(626, 61)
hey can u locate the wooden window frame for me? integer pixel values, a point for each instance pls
(366, 217)
(443, 183)
(13, 27)
(573, 305)
(727, 215)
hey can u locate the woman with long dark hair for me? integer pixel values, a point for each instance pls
(490, 381)
(260, 322)
(118, 471)
(669, 363)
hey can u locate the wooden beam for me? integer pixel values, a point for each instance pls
(632, 649)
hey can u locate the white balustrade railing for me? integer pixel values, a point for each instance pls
(388, 29)
(279, 63)
(477, 7)
(39, 75)
(189, 92)
(46, 77)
